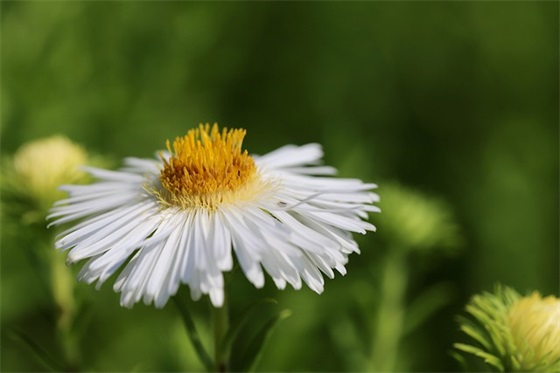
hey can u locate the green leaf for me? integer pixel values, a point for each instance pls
(426, 305)
(488, 358)
(238, 323)
(251, 353)
(461, 360)
(38, 352)
(474, 332)
(204, 357)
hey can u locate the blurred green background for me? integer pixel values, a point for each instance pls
(457, 100)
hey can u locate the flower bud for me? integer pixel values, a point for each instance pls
(535, 326)
(40, 166)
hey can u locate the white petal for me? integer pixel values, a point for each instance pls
(290, 155)
(220, 242)
(114, 175)
(143, 166)
(245, 246)
(337, 220)
(158, 287)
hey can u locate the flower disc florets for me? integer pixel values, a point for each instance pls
(207, 167)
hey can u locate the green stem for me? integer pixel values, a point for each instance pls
(390, 317)
(62, 284)
(192, 333)
(220, 322)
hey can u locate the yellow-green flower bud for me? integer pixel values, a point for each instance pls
(514, 333)
(416, 222)
(40, 166)
(535, 327)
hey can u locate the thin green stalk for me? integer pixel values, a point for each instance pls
(220, 323)
(390, 317)
(192, 333)
(62, 283)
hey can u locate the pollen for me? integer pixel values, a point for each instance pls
(207, 168)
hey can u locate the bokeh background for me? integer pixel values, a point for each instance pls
(454, 100)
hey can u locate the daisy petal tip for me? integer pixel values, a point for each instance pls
(314, 147)
(280, 283)
(296, 283)
(217, 298)
(127, 305)
(160, 303)
(195, 294)
(368, 227)
(70, 260)
(258, 281)
(318, 289)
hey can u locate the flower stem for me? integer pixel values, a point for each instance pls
(390, 318)
(62, 284)
(192, 332)
(220, 322)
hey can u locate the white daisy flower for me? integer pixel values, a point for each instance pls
(177, 218)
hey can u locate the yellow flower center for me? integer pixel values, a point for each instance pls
(207, 168)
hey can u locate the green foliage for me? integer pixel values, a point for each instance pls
(36, 351)
(244, 359)
(233, 333)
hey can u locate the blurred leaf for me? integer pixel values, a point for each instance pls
(238, 323)
(470, 329)
(249, 357)
(461, 360)
(426, 304)
(488, 358)
(41, 354)
(345, 338)
(83, 318)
